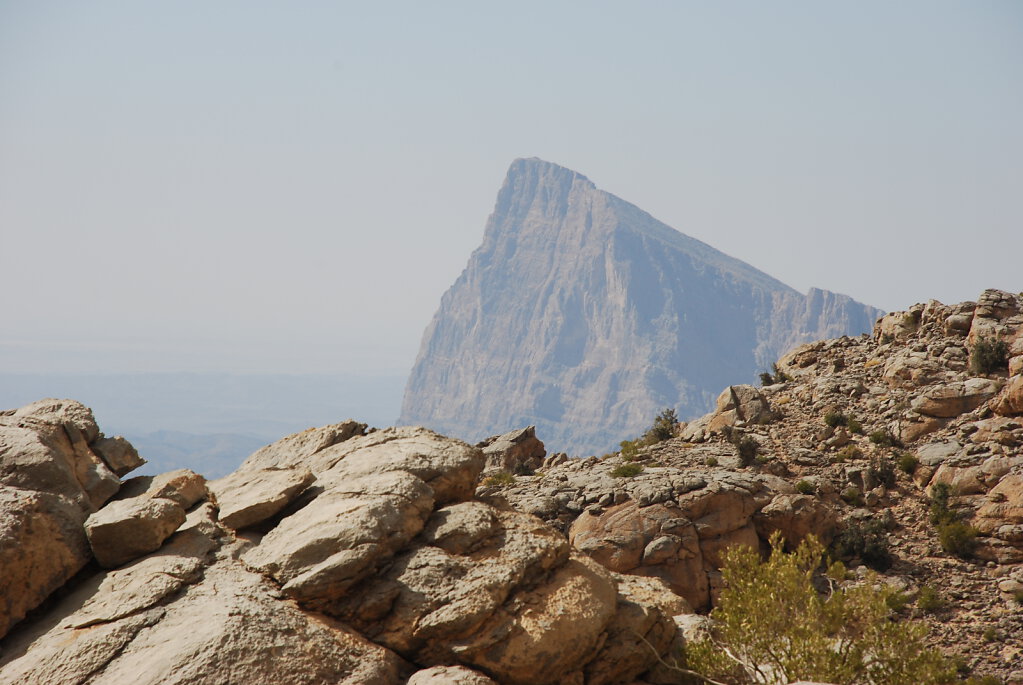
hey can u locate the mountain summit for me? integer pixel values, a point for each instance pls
(582, 314)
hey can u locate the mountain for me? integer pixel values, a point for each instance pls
(582, 314)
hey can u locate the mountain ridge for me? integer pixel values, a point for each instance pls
(585, 314)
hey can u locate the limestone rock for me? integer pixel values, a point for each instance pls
(588, 316)
(250, 496)
(951, 400)
(51, 479)
(449, 675)
(516, 451)
(657, 540)
(1010, 401)
(118, 454)
(795, 517)
(126, 529)
(181, 486)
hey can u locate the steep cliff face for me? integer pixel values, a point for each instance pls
(584, 315)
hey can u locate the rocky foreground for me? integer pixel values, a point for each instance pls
(348, 555)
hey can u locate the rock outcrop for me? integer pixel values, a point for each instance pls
(585, 316)
(335, 555)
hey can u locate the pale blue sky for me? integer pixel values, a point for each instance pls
(290, 187)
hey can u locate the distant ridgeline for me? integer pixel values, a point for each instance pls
(582, 314)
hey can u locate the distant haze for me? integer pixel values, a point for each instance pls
(265, 187)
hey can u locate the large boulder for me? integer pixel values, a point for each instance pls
(518, 451)
(53, 475)
(953, 399)
(1010, 401)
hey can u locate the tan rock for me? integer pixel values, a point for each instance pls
(950, 400)
(182, 486)
(226, 629)
(317, 553)
(118, 454)
(1010, 401)
(740, 405)
(516, 451)
(658, 541)
(795, 517)
(449, 675)
(126, 529)
(250, 496)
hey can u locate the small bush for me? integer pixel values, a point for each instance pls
(711, 461)
(627, 470)
(502, 479)
(629, 449)
(805, 487)
(850, 452)
(854, 426)
(663, 428)
(929, 600)
(835, 419)
(958, 538)
(883, 438)
(991, 634)
(989, 356)
(852, 496)
(883, 470)
(941, 511)
(866, 541)
(747, 449)
(908, 463)
(776, 375)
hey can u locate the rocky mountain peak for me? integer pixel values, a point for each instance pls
(582, 314)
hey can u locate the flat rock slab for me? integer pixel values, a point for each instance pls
(248, 497)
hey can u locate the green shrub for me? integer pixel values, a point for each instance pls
(989, 355)
(884, 438)
(991, 634)
(958, 538)
(835, 419)
(629, 449)
(866, 541)
(627, 470)
(850, 452)
(852, 496)
(908, 463)
(941, 510)
(854, 426)
(929, 600)
(663, 428)
(883, 470)
(501, 479)
(747, 449)
(805, 487)
(776, 375)
(772, 626)
(711, 461)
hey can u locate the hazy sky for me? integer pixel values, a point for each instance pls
(291, 186)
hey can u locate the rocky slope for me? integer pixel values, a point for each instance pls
(347, 555)
(915, 416)
(582, 314)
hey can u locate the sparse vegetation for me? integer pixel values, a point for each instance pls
(955, 536)
(855, 427)
(775, 375)
(929, 600)
(852, 496)
(908, 463)
(866, 541)
(850, 452)
(989, 356)
(663, 428)
(627, 470)
(883, 438)
(772, 626)
(805, 487)
(746, 447)
(501, 479)
(711, 461)
(835, 419)
(883, 470)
